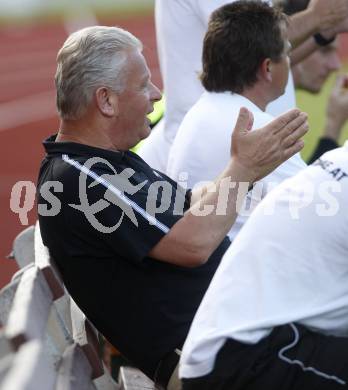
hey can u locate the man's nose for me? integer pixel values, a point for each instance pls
(335, 62)
(155, 93)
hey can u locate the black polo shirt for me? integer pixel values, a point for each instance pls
(142, 305)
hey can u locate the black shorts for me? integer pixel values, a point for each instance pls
(291, 357)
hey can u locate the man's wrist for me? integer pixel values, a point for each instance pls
(241, 173)
(333, 129)
(322, 40)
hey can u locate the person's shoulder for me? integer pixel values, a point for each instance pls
(339, 154)
(335, 163)
(198, 118)
(212, 112)
(56, 167)
(261, 118)
(72, 170)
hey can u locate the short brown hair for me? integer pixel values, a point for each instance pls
(240, 36)
(291, 7)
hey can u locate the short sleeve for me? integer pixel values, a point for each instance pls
(129, 224)
(205, 8)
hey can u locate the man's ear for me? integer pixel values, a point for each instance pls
(107, 102)
(266, 69)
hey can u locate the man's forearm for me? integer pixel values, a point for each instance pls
(302, 51)
(326, 17)
(202, 228)
(222, 200)
(302, 26)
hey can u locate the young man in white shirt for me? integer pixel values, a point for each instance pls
(245, 63)
(275, 315)
(180, 28)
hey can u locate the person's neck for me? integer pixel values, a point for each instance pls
(85, 132)
(257, 95)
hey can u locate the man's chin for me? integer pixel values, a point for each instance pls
(146, 131)
(314, 90)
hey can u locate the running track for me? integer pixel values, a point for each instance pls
(27, 109)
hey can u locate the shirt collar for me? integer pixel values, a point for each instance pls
(233, 97)
(76, 149)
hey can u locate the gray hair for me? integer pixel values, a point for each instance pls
(91, 58)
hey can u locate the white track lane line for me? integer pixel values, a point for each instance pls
(27, 110)
(42, 106)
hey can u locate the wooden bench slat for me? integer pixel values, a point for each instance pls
(21, 271)
(75, 371)
(106, 382)
(30, 309)
(47, 266)
(131, 378)
(23, 247)
(63, 307)
(53, 278)
(40, 309)
(5, 365)
(56, 338)
(31, 369)
(7, 294)
(6, 355)
(5, 346)
(85, 335)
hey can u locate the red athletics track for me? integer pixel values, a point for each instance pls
(27, 109)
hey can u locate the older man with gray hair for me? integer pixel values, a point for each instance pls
(136, 264)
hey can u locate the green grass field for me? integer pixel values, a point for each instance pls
(315, 106)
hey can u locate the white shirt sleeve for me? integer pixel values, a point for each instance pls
(206, 7)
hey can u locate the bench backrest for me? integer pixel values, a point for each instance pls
(30, 369)
(30, 309)
(42, 322)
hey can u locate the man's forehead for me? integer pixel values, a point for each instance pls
(137, 64)
(136, 67)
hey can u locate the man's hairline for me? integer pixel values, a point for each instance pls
(125, 69)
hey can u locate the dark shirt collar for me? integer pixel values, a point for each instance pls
(76, 149)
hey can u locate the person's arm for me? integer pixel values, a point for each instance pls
(192, 239)
(321, 16)
(302, 51)
(336, 116)
(311, 45)
(337, 108)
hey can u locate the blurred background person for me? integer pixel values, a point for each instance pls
(311, 74)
